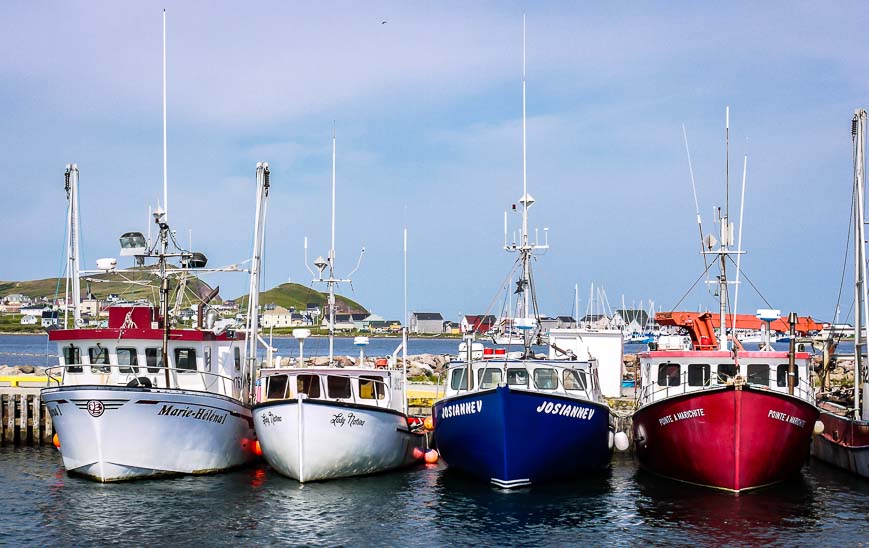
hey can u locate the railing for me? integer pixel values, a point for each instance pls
(654, 392)
(59, 375)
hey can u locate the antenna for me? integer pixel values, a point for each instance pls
(696, 203)
(739, 241)
(727, 162)
(165, 178)
(404, 331)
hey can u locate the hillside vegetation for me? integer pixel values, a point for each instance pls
(298, 296)
(102, 285)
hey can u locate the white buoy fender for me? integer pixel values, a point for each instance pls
(611, 438)
(819, 428)
(621, 440)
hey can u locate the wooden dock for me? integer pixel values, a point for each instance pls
(24, 420)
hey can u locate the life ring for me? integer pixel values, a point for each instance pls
(144, 382)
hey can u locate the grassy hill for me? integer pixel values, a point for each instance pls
(298, 296)
(102, 285)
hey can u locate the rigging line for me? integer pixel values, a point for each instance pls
(844, 262)
(492, 302)
(690, 289)
(756, 290)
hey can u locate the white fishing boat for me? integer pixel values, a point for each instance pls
(331, 422)
(143, 397)
(140, 397)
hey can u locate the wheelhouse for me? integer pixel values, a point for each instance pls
(363, 386)
(665, 374)
(575, 379)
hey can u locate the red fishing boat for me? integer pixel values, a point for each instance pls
(732, 420)
(713, 414)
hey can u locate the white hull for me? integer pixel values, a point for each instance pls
(117, 433)
(311, 440)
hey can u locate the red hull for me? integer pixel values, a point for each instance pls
(726, 438)
(844, 443)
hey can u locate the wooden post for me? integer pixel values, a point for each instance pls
(9, 423)
(24, 433)
(37, 439)
(48, 426)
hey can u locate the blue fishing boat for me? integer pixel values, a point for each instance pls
(519, 418)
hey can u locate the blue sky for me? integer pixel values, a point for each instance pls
(428, 115)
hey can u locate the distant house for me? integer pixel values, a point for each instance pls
(478, 324)
(16, 298)
(452, 328)
(566, 322)
(50, 318)
(426, 322)
(28, 320)
(547, 323)
(365, 323)
(276, 316)
(33, 310)
(343, 322)
(313, 310)
(595, 321)
(113, 298)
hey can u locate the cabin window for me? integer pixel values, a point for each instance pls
(669, 374)
(698, 374)
(338, 387)
(308, 384)
(726, 372)
(545, 378)
(489, 377)
(371, 387)
(130, 358)
(72, 357)
(206, 356)
(153, 359)
(459, 380)
(237, 356)
(574, 380)
(517, 376)
(99, 356)
(781, 375)
(185, 359)
(277, 388)
(758, 374)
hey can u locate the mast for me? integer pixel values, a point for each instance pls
(263, 183)
(160, 219)
(526, 248)
(321, 264)
(72, 245)
(331, 282)
(861, 317)
(165, 178)
(404, 330)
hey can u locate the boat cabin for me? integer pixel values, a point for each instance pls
(362, 386)
(567, 378)
(129, 352)
(669, 373)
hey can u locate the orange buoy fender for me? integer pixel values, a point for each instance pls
(431, 457)
(56, 440)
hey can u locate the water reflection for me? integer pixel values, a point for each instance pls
(424, 505)
(753, 517)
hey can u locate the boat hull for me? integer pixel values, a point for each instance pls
(314, 440)
(121, 433)
(515, 438)
(843, 443)
(727, 438)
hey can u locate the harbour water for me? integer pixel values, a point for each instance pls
(425, 506)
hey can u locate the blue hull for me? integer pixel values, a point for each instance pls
(514, 438)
